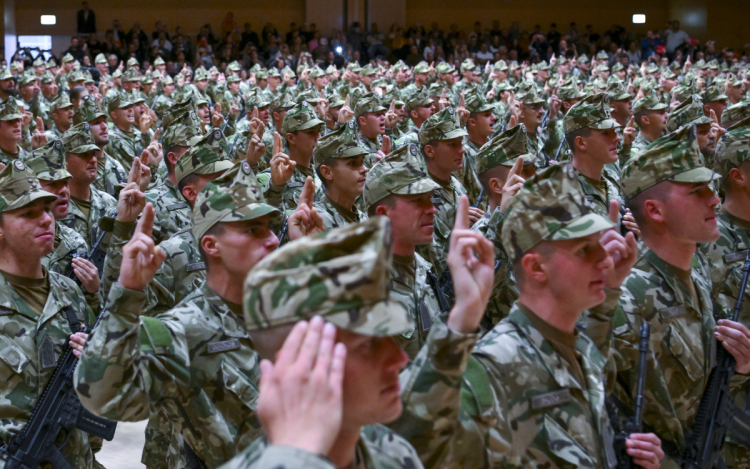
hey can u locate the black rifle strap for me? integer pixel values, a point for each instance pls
(194, 462)
(73, 321)
(442, 301)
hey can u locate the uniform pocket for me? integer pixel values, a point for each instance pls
(14, 359)
(682, 352)
(565, 451)
(238, 383)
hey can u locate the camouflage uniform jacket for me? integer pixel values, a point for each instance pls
(7, 158)
(53, 134)
(31, 346)
(124, 146)
(102, 204)
(195, 363)
(70, 243)
(467, 175)
(411, 135)
(162, 104)
(378, 448)
(682, 342)
(109, 174)
(372, 146)
(505, 290)
(410, 288)
(172, 211)
(445, 200)
(285, 197)
(639, 144)
(512, 401)
(594, 197)
(336, 216)
(554, 137)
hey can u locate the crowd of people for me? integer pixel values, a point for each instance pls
(383, 262)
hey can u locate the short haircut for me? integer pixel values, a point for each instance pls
(331, 163)
(216, 230)
(571, 137)
(389, 201)
(76, 92)
(661, 192)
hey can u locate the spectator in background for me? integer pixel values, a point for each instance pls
(75, 49)
(484, 55)
(553, 36)
(85, 20)
(375, 47)
(676, 39)
(249, 37)
(228, 25)
(649, 44)
(354, 36)
(634, 53)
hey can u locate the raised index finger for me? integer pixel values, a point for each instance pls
(39, 124)
(517, 168)
(276, 143)
(156, 135)
(146, 223)
(462, 214)
(614, 211)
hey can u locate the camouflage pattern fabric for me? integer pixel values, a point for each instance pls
(124, 146)
(285, 197)
(590, 112)
(171, 208)
(444, 125)
(336, 216)
(689, 111)
(110, 174)
(102, 205)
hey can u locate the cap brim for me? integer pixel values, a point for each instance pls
(605, 124)
(56, 175)
(384, 319)
(528, 158)
(83, 149)
(701, 174)
(581, 227)
(455, 134)
(310, 124)
(422, 186)
(213, 168)
(11, 117)
(251, 212)
(29, 198)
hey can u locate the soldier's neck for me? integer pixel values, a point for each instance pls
(9, 146)
(589, 167)
(341, 197)
(20, 265)
(670, 250)
(650, 133)
(476, 138)
(80, 190)
(344, 450)
(737, 205)
(402, 248)
(128, 128)
(557, 312)
(299, 158)
(224, 284)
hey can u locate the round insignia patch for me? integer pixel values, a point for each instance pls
(86, 98)
(19, 165)
(351, 124)
(246, 168)
(193, 116)
(413, 149)
(305, 103)
(58, 144)
(450, 111)
(86, 126)
(217, 134)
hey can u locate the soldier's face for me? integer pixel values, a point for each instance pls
(601, 145)
(716, 106)
(234, 87)
(8, 86)
(412, 219)
(304, 140)
(371, 386)
(28, 232)
(60, 188)
(168, 90)
(367, 80)
(689, 212)
(622, 110)
(264, 115)
(484, 123)
(421, 113)
(82, 166)
(28, 91)
(203, 113)
(201, 85)
(100, 130)
(372, 123)
(242, 244)
(10, 130)
(573, 271)
(447, 156)
(531, 116)
(734, 93)
(706, 139)
(319, 82)
(658, 119)
(63, 118)
(348, 175)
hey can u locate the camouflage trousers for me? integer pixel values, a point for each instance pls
(736, 456)
(160, 451)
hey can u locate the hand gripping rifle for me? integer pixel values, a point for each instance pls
(717, 406)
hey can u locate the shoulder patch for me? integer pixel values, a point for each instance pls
(413, 149)
(476, 394)
(246, 168)
(157, 332)
(19, 165)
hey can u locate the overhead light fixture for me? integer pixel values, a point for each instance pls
(49, 19)
(639, 19)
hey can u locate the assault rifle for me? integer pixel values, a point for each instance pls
(96, 256)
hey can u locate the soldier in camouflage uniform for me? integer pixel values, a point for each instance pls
(592, 137)
(164, 99)
(339, 165)
(88, 204)
(530, 393)
(61, 111)
(110, 173)
(480, 126)
(181, 360)
(494, 165)
(398, 188)
(356, 275)
(690, 113)
(369, 114)
(301, 128)
(419, 109)
(726, 255)
(125, 140)
(35, 303)
(668, 289)
(651, 118)
(10, 132)
(531, 115)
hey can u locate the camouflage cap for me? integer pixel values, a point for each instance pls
(617, 67)
(79, 139)
(602, 55)
(688, 113)
(38, 62)
(649, 102)
(475, 101)
(167, 80)
(62, 102)
(177, 113)
(288, 71)
(602, 68)
(311, 96)
(282, 101)
(48, 162)
(570, 90)
(334, 99)
(47, 77)
(116, 74)
(131, 75)
(500, 65)
(300, 117)
(527, 93)
(616, 91)
(159, 61)
(200, 74)
(393, 94)
(5, 74)
(673, 157)
(179, 134)
(341, 143)
(550, 206)
(9, 110)
(317, 72)
(368, 103)
(418, 98)
(736, 152)
(444, 68)
(234, 196)
(341, 275)
(27, 79)
(700, 65)
(668, 75)
(273, 72)
(368, 70)
(467, 65)
(132, 62)
(591, 112)
(735, 112)
(257, 99)
(399, 172)
(137, 97)
(19, 187)
(119, 101)
(583, 59)
(504, 149)
(67, 58)
(421, 67)
(712, 93)
(261, 74)
(444, 125)
(206, 156)
(76, 76)
(683, 92)
(502, 86)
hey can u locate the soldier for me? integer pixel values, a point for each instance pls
(40, 308)
(370, 116)
(651, 118)
(88, 204)
(714, 99)
(165, 99)
(201, 345)
(398, 188)
(667, 187)
(441, 140)
(480, 126)
(301, 127)
(530, 115)
(10, 132)
(531, 392)
(419, 109)
(110, 173)
(339, 165)
(61, 111)
(125, 142)
(689, 113)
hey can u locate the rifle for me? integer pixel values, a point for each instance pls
(544, 120)
(714, 417)
(284, 232)
(479, 199)
(443, 302)
(635, 423)
(58, 409)
(557, 154)
(96, 256)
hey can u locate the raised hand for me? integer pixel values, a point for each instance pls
(255, 149)
(511, 122)
(282, 167)
(462, 112)
(622, 251)
(471, 259)
(217, 118)
(305, 220)
(145, 122)
(345, 113)
(141, 257)
(234, 109)
(628, 133)
(131, 200)
(391, 118)
(716, 127)
(87, 273)
(300, 401)
(443, 102)
(39, 138)
(257, 127)
(554, 105)
(513, 184)
(385, 148)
